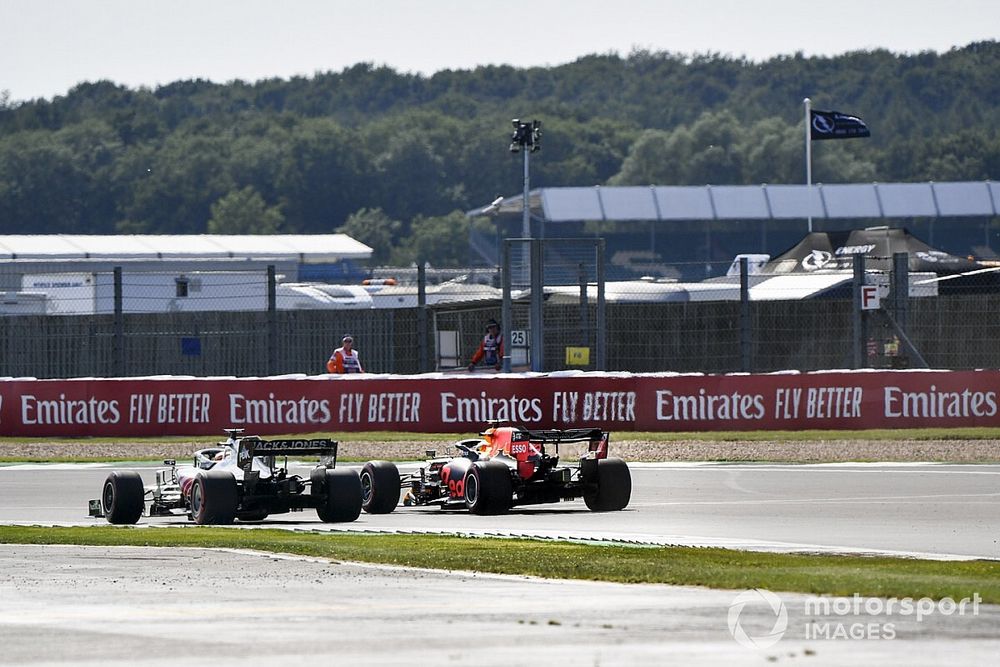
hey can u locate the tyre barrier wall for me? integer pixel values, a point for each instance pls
(440, 403)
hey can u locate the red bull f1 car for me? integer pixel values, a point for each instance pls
(237, 479)
(505, 467)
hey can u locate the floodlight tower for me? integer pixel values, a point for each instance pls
(527, 139)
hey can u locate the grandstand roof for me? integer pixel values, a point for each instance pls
(757, 202)
(305, 249)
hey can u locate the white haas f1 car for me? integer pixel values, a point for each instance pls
(237, 479)
(505, 466)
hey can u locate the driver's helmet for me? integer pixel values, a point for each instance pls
(207, 458)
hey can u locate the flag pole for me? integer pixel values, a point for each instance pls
(806, 103)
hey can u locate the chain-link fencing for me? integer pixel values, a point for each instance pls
(555, 303)
(247, 323)
(138, 322)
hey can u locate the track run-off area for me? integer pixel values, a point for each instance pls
(151, 606)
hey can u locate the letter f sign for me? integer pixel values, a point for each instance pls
(869, 297)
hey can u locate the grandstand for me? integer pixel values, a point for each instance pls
(693, 232)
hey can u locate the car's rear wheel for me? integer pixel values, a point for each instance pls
(612, 486)
(341, 488)
(214, 498)
(123, 497)
(488, 488)
(379, 487)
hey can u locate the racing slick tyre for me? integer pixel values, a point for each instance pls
(123, 497)
(379, 487)
(214, 498)
(488, 488)
(342, 490)
(252, 515)
(613, 487)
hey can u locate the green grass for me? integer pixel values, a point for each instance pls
(715, 568)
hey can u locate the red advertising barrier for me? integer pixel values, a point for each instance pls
(459, 403)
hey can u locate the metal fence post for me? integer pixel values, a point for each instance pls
(423, 348)
(746, 341)
(537, 300)
(900, 308)
(119, 326)
(900, 288)
(506, 309)
(272, 321)
(602, 338)
(584, 306)
(856, 314)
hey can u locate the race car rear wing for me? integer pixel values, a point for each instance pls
(598, 439)
(252, 447)
(563, 435)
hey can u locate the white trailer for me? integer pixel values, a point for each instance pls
(193, 291)
(66, 293)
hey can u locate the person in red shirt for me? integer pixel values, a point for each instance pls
(490, 347)
(345, 358)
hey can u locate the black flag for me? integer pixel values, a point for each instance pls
(836, 125)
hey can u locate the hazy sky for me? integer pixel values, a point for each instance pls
(48, 46)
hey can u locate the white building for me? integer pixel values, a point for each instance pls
(74, 274)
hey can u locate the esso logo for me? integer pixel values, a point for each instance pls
(519, 448)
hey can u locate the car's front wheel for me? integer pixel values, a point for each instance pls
(123, 497)
(379, 487)
(611, 487)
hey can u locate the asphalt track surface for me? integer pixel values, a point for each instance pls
(928, 510)
(127, 606)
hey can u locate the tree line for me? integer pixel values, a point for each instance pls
(394, 159)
